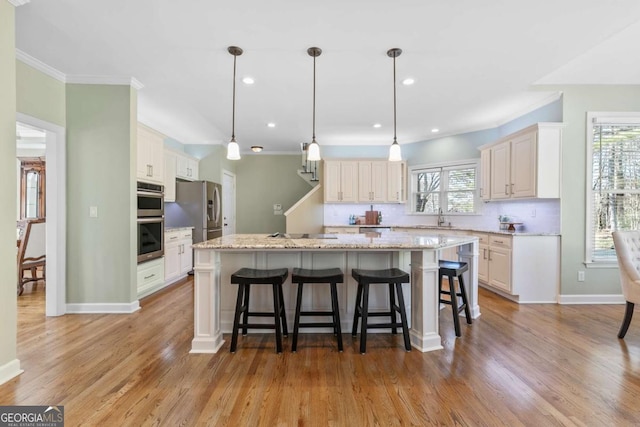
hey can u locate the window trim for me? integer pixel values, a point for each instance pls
(443, 166)
(599, 118)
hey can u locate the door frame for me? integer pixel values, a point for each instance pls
(56, 208)
(232, 195)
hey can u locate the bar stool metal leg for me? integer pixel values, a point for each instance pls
(392, 311)
(403, 317)
(357, 311)
(296, 322)
(245, 314)
(454, 305)
(236, 319)
(283, 314)
(463, 294)
(365, 314)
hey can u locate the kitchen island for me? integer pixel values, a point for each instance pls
(216, 259)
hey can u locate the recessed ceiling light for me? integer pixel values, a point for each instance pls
(435, 130)
(408, 82)
(256, 148)
(271, 125)
(248, 80)
(377, 125)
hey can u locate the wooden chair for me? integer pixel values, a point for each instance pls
(627, 244)
(32, 253)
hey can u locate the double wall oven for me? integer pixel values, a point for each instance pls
(150, 221)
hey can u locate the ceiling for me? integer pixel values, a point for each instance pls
(475, 64)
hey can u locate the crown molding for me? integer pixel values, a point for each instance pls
(17, 3)
(104, 80)
(40, 66)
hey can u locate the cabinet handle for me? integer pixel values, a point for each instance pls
(506, 189)
(149, 277)
(484, 256)
(173, 238)
(499, 241)
(511, 189)
(490, 255)
(480, 191)
(397, 195)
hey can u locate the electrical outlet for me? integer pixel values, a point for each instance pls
(580, 276)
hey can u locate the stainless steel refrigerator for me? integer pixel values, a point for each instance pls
(199, 205)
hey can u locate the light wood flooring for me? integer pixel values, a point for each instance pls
(533, 365)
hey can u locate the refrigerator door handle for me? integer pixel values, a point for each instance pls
(216, 201)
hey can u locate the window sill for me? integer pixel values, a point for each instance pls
(601, 264)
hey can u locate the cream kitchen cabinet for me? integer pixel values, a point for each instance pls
(372, 181)
(396, 182)
(524, 268)
(170, 159)
(178, 254)
(340, 181)
(150, 152)
(342, 230)
(187, 167)
(150, 277)
(525, 164)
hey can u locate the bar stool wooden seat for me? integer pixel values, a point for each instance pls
(454, 269)
(332, 276)
(390, 276)
(244, 278)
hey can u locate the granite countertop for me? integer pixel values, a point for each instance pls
(390, 240)
(445, 229)
(168, 229)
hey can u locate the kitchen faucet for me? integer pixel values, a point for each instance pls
(440, 218)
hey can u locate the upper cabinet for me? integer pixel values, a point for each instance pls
(170, 161)
(340, 181)
(364, 181)
(187, 167)
(525, 164)
(372, 181)
(150, 164)
(396, 179)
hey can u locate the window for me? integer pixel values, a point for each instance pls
(451, 188)
(613, 180)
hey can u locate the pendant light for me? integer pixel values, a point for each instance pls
(233, 149)
(395, 154)
(313, 153)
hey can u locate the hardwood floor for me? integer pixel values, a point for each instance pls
(538, 365)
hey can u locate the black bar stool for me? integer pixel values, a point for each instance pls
(332, 276)
(391, 276)
(453, 269)
(245, 277)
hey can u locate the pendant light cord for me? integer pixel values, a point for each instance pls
(313, 137)
(233, 114)
(394, 101)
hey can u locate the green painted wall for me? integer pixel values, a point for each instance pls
(578, 100)
(261, 182)
(40, 95)
(101, 261)
(8, 273)
(213, 159)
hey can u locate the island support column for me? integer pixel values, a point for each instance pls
(425, 301)
(207, 335)
(469, 254)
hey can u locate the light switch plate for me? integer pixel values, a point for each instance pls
(93, 212)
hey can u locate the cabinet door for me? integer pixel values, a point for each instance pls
(483, 264)
(523, 165)
(186, 256)
(349, 181)
(378, 181)
(331, 181)
(364, 182)
(485, 174)
(156, 156)
(500, 171)
(171, 261)
(395, 181)
(500, 268)
(182, 166)
(169, 176)
(142, 163)
(194, 169)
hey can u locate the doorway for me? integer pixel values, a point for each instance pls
(55, 207)
(228, 203)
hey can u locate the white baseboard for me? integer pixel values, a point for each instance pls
(95, 308)
(10, 370)
(591, 299)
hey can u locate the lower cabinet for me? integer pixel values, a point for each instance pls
(178, 254)
(523, 268)
(150, 276)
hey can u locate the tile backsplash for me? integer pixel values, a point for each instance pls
(537, 215)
